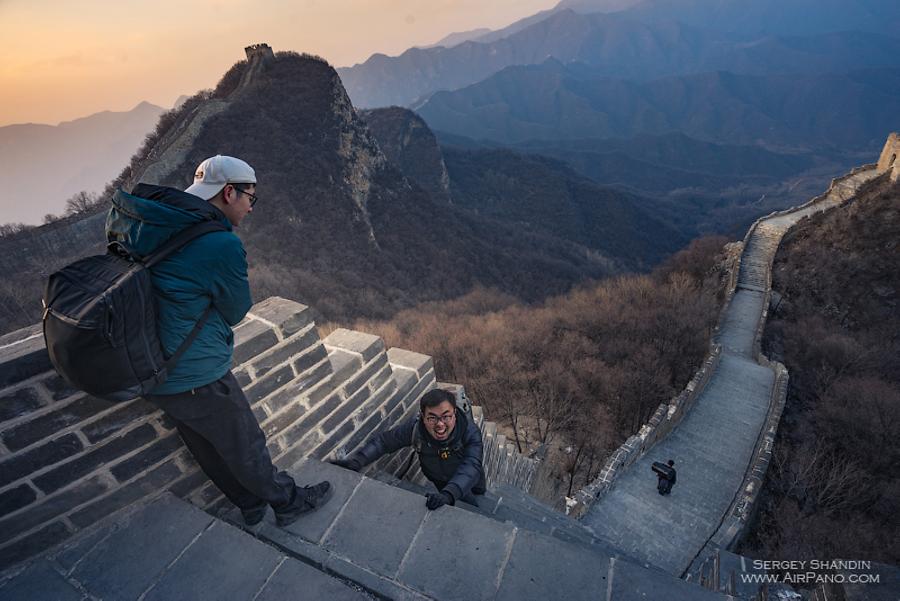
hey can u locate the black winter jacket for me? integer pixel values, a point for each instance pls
(453, 465)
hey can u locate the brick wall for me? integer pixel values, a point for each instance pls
(69, 460)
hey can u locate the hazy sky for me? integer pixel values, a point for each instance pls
(64, 59)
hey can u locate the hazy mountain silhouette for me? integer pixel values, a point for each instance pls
(612, 46)
(43, 165)
(796, 17)
(554, 101)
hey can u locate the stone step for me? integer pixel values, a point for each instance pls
(169, 549)
(383, 539)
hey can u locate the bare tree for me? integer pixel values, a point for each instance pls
(81, 202)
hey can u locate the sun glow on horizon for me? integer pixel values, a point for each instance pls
(64, 60)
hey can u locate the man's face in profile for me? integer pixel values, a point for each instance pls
(440, 420)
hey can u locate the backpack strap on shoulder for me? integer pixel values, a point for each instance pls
(181, 238)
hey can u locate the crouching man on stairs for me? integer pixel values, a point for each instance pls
(447, 442)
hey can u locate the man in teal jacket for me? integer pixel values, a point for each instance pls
(201, 395)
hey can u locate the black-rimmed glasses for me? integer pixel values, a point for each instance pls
(253, 197)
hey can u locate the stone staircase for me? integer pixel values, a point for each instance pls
(371, 540)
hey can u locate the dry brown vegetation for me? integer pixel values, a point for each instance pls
(579, 374)
(834, 490)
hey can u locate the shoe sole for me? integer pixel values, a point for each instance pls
(281, 523)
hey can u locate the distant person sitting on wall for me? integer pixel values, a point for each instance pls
(448, 444)
(666, 476)
(201, 395)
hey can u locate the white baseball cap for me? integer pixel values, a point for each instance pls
(215, 172)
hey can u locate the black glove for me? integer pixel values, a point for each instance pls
(350, 462)
(436, 499)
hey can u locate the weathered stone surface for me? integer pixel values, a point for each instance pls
(34, 543)
(416, 362)
(288, 316)
(33, 430)
(149, 484)
(296, 580)
(22, 355)
(90, 461)
(224, 563)
(13, 468)
(113, 422)
(269, 383)
(40, 581)
(344, 364)
(367, 345)
(543, 568)
(379, 544)
(52, 506)
(479, 545)
(630, 582)
(144, 459)
(250, 339)
(16, 498)
(127, 562)
(21, 402)
(284, 351)
(311, 527)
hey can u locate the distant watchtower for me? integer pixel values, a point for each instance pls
(889, 157)
(262, 51)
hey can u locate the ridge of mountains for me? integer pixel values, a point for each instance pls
(339, 226)
(557, 101)
(44, 165)
(613, 45)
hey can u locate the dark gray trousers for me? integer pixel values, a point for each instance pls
(219, 428)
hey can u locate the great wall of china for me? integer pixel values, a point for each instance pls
(104, 501)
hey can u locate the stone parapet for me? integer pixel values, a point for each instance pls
(68, 460)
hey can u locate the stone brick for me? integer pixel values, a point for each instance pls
(95, 458)
(145, 486)
(54, 451)
(34, 543)
(250, 340)
(142, 460)
(259, 412)
(242, 377)
(189, 484)
(58, 387)
(297, 387)
(309, 421)
(310, 358)
(344, 364)
(332, 441)
(287, 315)
(274, 425)
(51, 507)
(23, 359)
(417, 362)
(21, 402)
(46, 425)
(345, 409)
(367, 345)
(362, 431)
(284, 351)
(115, 421)
(360, 379)
(293, 576)
(269, 383)
(16, 498)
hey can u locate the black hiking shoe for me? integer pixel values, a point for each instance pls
(306, 499)
(254, 515)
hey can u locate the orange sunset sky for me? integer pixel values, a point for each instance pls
(67, 59)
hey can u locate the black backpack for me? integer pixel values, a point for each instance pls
(100, 320)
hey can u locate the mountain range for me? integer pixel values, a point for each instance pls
(850, 111)
(44, 165)
(613, 45)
